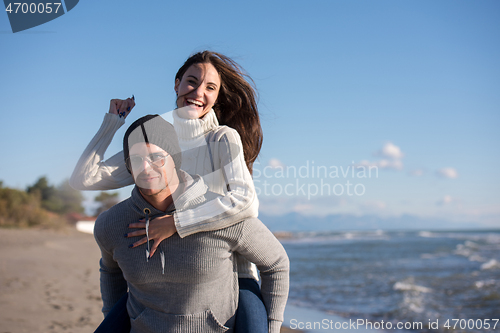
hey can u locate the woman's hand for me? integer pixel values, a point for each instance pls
(160, 228)
(122, 107)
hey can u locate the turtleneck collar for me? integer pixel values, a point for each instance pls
(193, 128)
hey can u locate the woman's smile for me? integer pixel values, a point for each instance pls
(193, 102)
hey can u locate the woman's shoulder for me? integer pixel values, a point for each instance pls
(223, 132)
(225, 141)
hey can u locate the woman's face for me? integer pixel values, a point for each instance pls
(198, 89)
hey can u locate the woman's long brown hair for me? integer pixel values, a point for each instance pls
(236, 104)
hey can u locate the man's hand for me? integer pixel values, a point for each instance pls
(160, 228)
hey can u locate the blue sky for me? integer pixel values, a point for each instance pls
(408, 86)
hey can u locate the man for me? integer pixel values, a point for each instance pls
(193, 285)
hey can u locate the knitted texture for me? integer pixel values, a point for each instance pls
(155, 130)
(199, 290)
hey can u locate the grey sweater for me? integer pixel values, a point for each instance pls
(198, 291)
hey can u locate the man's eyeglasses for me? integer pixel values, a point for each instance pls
(156, 160)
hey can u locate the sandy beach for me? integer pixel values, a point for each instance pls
(49, 281)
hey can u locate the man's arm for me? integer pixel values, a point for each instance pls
(113, 284)
(258, 245)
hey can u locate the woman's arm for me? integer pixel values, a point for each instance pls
(91, 172)
(240, 200)
(257, 244)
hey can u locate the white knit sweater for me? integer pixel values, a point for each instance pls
(208, 149)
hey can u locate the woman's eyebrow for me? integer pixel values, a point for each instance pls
(194, 77)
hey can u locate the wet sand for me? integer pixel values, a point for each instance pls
(49, 281)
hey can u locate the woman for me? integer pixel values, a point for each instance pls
(211, 90)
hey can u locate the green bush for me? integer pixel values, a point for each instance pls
(40, 205)
(62, 200)
(20, 209)
(106, 200)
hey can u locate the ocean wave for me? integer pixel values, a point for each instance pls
(476, 257)
(414, 304)
(471, 245)
(485, 283)
(492, 264)
(486, 237)
(463, 250)
(434, 255)
(408, 286)
(332, 237)
(427, 234)
(412, 276)
(428, 256)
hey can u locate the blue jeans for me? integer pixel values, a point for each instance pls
(251, 315)
(117, 320)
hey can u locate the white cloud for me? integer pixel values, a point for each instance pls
(447, 173)
(275, 163)
(447, 199)
(391, 156)
(416, 172)
(390, 150)
(391, 164)
(383, 164)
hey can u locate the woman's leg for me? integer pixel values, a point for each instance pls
(117, 320)
(251, 316)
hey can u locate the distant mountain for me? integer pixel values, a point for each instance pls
(339, 222)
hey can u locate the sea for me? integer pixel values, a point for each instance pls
(448, 281)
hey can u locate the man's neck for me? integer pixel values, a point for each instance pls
(160, 201)
(164, 198)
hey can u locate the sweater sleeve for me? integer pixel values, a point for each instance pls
(258, 245)
(239, 201)
(91, 172)
(113, 284)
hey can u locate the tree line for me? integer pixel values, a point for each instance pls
(46, 205)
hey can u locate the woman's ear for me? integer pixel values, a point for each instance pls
(176, 85)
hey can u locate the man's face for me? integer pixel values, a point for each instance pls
(153, 168)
